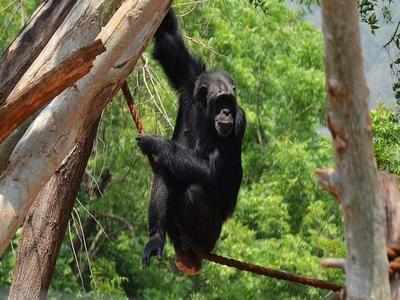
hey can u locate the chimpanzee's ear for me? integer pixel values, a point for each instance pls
(200, 93)
(240, 124)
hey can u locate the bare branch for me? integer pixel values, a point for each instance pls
(19, 107)
(335, 263)
(273, 273)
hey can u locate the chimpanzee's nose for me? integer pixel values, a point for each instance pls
(226, 112)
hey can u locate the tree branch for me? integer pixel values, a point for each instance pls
(273, 273)
(393, 35)
(132, 108)
(19, 107)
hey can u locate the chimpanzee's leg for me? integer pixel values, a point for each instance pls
(157, 218)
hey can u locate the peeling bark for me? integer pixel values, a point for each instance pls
(27, 102)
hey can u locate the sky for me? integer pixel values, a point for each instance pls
(376, 59)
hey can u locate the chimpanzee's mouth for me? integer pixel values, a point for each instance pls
(223, 128)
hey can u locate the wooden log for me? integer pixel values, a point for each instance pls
(17, 58)
(54, 132)
(26, 102)
(356, 180)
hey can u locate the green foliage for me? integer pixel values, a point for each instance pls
(277, 222)
(386, 129)
(379, 15)
(283, 218)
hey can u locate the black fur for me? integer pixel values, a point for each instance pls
(197, 174)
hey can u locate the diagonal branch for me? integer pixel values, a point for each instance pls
(29, 100)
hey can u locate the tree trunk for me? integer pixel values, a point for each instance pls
(389, 194)
(55, 131)
(355, 179)
(45, 226)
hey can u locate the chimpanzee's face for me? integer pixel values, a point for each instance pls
(216, 93)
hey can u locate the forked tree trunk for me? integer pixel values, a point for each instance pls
(46, 223)
(355, 179)
(58, 127)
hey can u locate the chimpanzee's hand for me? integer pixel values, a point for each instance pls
(154, 247)
(150, 145)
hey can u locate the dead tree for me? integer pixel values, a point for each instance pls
(58, 127)
(354, 181)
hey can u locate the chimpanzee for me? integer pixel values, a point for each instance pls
(197, 174)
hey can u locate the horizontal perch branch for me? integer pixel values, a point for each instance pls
(277, 274)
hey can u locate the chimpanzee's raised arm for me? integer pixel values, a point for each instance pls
(180, 66)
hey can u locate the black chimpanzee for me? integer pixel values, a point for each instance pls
(197, 174)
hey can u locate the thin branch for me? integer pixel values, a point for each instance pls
(75, 254)
(393, 35)
(273, 273)
(132, 108)
(334, 263)
(117, 218)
